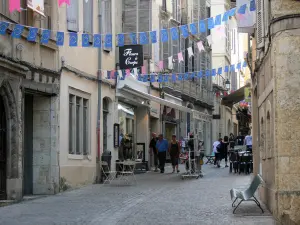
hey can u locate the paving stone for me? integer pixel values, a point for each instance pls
(157, 199)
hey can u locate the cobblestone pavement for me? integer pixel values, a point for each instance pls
(157, 199)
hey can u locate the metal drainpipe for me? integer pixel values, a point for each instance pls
(99, 93)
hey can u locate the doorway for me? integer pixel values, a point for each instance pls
(3, 139)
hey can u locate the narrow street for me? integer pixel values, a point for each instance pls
(157, 199)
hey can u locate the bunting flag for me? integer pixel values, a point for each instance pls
(153, 37)
(202, 26)
(218, 20)
(210, 23)
(226, 69)
(3, 27)
(170, 62)
(120, 73)
(152, 78)
(135, 72)
(121, 40)
(193, 28)
(161, 65)
(108, 41)
(17, 31)
(133, 38)
(73, 39)
(145, 78)
(221, 31)
(32, 34)
(160, 78)
(174, 33)
(152, 69)
(185, 31)
(60, 2)
(213, 72)
(225, 17)
(180, 57)
(164, 35)
(127, 71)
(143, 69)
(97, 40)
(190, 52)
(14, 5)
(252, 5)
(45, 36)
(144, 38)
(232, 68)
(85, 40)
(245, 64)
(173, 77)
(231, 12)
(242, 9)
(238, 66)
(220, 70)
(200, 46)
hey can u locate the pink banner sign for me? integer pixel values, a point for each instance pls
(60, 2)
(14, 5)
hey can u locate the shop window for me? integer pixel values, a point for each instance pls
(79, 123)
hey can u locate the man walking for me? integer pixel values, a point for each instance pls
(153, 148)
(162, 146)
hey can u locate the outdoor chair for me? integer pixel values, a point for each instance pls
(244, 164)
(233, 162)
(247, 195)
(107, 175)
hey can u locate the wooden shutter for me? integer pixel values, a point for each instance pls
(260, 23)
(88, 16)
(72, 16)
(106, 19)
(129, 18)
(145, 24)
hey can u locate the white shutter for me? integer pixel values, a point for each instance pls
(260, 23)
(72, 16)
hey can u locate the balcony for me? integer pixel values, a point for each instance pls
(189, 89)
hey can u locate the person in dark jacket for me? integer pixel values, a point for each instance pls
(231, 141)
(192, 153)
(174, 151)
(153, 148)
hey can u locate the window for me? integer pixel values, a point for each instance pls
(164, 5)
(15, 16)
(88, 18)
(72, 16)
(79, 121)
(106, 18)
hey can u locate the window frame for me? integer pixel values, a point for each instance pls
(83, 151)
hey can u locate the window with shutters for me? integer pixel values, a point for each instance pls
(72, 16)
(106, 18)
(46, 22)
(164, 5)
(79, 123)
(88, 18)
(227, 37)
(260, 23)
(16, 16)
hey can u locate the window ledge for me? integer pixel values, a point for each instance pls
(75, 157)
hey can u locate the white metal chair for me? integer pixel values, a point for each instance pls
(128, 171)
(107, 175)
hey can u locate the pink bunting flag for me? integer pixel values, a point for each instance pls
(112, 74)
(221, 31)
(14, 5)
(144, 70)
(200, 46)
(180, 57)
(161, 65)
(60, 2)
(127, 72)
(240, 16)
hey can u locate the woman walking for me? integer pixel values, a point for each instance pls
(174, 151)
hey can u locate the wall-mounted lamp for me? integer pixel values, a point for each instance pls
(227, 84)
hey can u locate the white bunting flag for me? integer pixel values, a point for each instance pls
(170, 62)
(209, 40)
(200, 46)
(152, 68)
(120, 74)
(190, 51)
(135, 72)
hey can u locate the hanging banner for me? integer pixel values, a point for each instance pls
(247, 94)
(131, 56)
(37, 6)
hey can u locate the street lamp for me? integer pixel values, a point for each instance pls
(227, 84)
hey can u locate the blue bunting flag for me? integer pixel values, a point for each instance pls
(185, 31)
(213, 72)
(60, 38)
(242, 9)
(202, 26)
(218, 20)
(45, 36)
(108, 41)
(207, 73)
(121, 40)
(153, 37)
(3, 27)
(220, 70)
(225, 16)
(17, 31)
(97, 40)
(252, 6)
(73, 39)
(210, 23)
(133, 38)
(144, 38)
(193, 28)
(85, 40)
(226, 69)
(32, 34)
(164, 35)
(173, 77)
(174, 33)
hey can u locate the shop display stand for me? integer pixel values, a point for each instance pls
(190, 173)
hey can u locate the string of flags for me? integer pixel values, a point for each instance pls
(140, 74)
(106, 40)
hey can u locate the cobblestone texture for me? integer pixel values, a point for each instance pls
(157, 199)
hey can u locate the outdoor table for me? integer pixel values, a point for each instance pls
(210, 159)
(127, 170)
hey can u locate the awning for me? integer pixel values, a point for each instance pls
(156, 99)
(234, 97)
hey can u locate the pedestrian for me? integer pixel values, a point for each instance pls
(217, 151)
(240, 139)
(248, 142)
(231, 141)
(162, 146)
(192, 153)
(225, 147)
(153, 148)
(174, 151)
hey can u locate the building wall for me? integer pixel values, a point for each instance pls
(277, 79)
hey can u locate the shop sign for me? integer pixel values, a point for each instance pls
(131, 56)
(116, 135)
(37, 6)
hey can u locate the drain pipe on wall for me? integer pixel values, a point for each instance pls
(98, 158)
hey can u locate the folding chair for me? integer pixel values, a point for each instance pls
(107, 175)
(128, 171)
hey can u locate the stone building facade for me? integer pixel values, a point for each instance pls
(29, 106)
(276, 107)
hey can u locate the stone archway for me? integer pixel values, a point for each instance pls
(13, 139)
